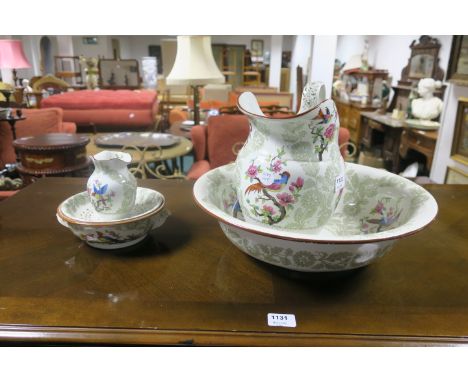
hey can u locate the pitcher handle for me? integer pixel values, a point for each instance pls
(313, 94)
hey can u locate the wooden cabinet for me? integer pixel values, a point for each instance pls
(350, 117)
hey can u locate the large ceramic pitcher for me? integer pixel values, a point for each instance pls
(112, 187)
(290, 170)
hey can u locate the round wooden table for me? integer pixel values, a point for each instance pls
(143, 157)
(53, 154)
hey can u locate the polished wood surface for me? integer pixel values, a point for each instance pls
(187, 284)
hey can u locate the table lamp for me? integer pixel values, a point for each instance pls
(12, 57)
(195, 66)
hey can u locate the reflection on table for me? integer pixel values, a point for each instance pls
(150, 160)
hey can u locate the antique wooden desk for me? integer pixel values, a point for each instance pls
(396, 139)
(389, 136)
(186, 284)
(419, 140)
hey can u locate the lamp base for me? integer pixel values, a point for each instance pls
(196, 104)
(7, 94)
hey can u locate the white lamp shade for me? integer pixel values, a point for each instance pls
(194, 63)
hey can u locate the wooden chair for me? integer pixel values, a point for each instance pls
(47, 82)
(251, 77)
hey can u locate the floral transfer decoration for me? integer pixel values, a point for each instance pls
(107, 237)
(383, 218)
(271, 188)
(101, 196)
(323, 131)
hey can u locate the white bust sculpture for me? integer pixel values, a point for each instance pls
(26, 87)
(427, 107)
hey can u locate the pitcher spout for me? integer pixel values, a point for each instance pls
(112, 158)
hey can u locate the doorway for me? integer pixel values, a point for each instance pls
(115, 48)
(47, 56)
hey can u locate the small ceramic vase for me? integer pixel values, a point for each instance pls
(290, 171)
(111, 187)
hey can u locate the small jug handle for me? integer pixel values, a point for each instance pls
(313, 94)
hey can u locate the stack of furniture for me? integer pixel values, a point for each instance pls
(394, 137)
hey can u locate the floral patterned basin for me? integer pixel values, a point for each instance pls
(107, 231)
(376, 208)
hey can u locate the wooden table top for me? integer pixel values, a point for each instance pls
(386, 119)
(51, 141)
(187, 284)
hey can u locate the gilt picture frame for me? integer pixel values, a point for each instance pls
(458, 63)
(460, 136)
(455, 176)
(256, 48)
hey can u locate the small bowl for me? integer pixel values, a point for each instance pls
(111, 232)
(376, 209)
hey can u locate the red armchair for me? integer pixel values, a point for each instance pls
(37, 122)
(218, 143)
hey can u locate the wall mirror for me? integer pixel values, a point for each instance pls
(423, 61)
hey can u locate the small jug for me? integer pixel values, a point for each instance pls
(112, 187)
(290, 172)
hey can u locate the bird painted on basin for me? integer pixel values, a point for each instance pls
(325, 117)
(276, 186)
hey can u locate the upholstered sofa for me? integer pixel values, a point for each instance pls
(122, 109)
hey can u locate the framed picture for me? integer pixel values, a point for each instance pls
(256, 48)
(119, 74)
(90, 40)
(455, 176)
(460, 136)
(458, 64)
